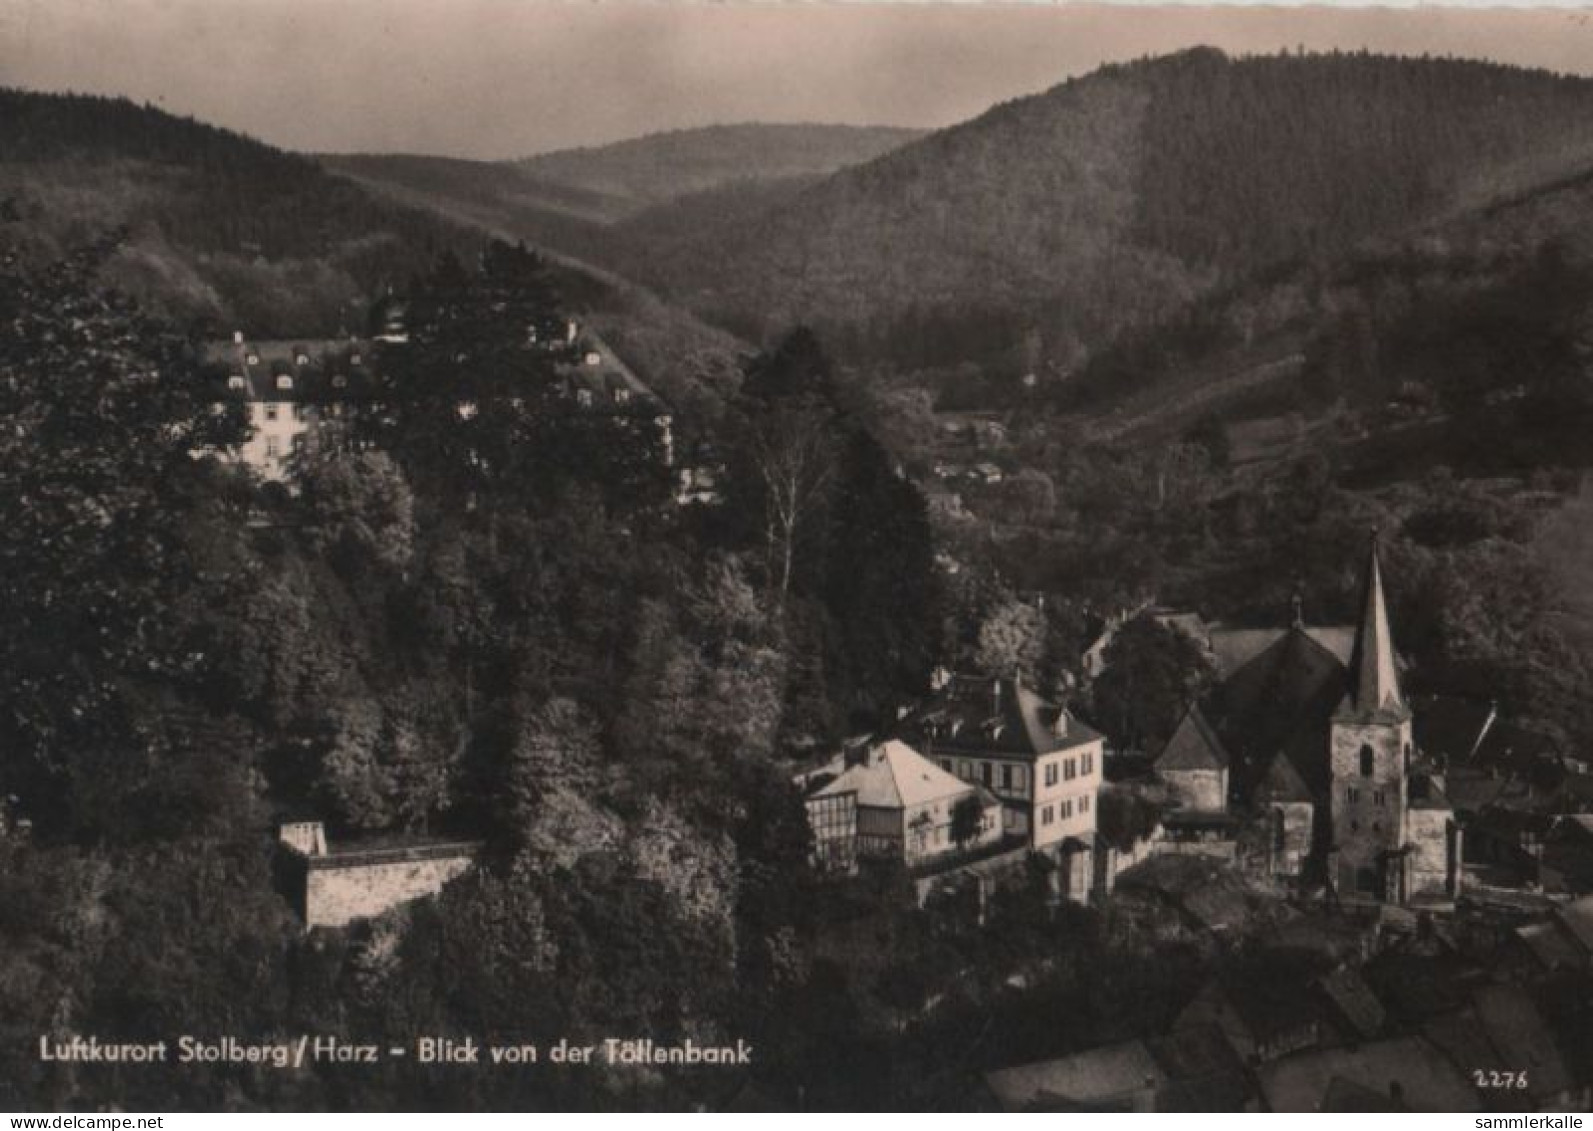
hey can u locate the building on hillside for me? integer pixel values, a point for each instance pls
(1042, 763)
(302, 397)
(1302, 726)
(296, 396)
(598, 383)
(889, 801)
(333, 887)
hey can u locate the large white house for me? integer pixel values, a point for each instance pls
(1043, 764)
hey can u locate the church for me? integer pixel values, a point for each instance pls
(1314, 754)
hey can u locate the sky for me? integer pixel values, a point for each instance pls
(508, 78)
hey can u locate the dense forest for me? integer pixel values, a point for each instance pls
(224, 229)
(1116, 198)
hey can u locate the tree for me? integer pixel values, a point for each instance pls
(881, 588)
(1152, 675)
(967, 821)
(1012, 640)
(101, 411)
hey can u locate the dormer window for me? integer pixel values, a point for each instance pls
(236, 381)
(622, 396)
(302, 359)
(284, 382)
(593, 358)
(355, 359)
(252, 359)
(583, 397)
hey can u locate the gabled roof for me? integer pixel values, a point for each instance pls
(1288, 689)
(1283, 781)
(1236, 647)
(329, 370)
(895, 776)
(1374, 677)
(1193, 746)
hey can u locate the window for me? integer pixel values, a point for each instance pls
(273, 447)
(355, 359)
(1351, 794)
(1368, 759)
(302, 359)
(1084, 804)
(1087, 764)
(1050, 773)
(339, 381)
(1006, 777)
(945, 764)
(284, 381)
(236, 381)
(271, 411)
(252, 359)
(1019, 778)
(964, 770)
(1377, 797)
(1365, 880)
(301, 412)
(1067, 809)
(1047, 815)
(987, 773)
(1279, 830)
(1070, 769)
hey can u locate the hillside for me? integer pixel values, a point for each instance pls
(659, 167)
(1469, 334)
(222, 229)
(1118, 197)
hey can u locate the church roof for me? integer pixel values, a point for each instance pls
(1374, 678)
(1290, 686)
(1193, 746)
(1283, 781)
(895, 776)
(1233, 648)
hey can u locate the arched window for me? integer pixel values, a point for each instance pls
(1367, 760)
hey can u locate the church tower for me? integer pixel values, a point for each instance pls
(1370, 755)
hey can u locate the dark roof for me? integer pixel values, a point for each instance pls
(1470, 732)
(1193, 746)
(1283, 781)
(1203, 1071)
(994, 717)
(1291, 686)
(1354, 999)
(307, 371)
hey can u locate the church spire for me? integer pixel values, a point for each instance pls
(1374, 679)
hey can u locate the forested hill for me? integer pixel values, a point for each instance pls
(1118, 196)
(649, 170)
(222, 228)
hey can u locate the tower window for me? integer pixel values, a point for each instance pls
(1367, 759)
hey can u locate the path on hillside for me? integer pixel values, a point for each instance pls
(1189, 403)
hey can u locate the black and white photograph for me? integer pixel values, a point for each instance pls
(795, 557)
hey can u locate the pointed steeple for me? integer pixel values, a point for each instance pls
(1374, 680)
